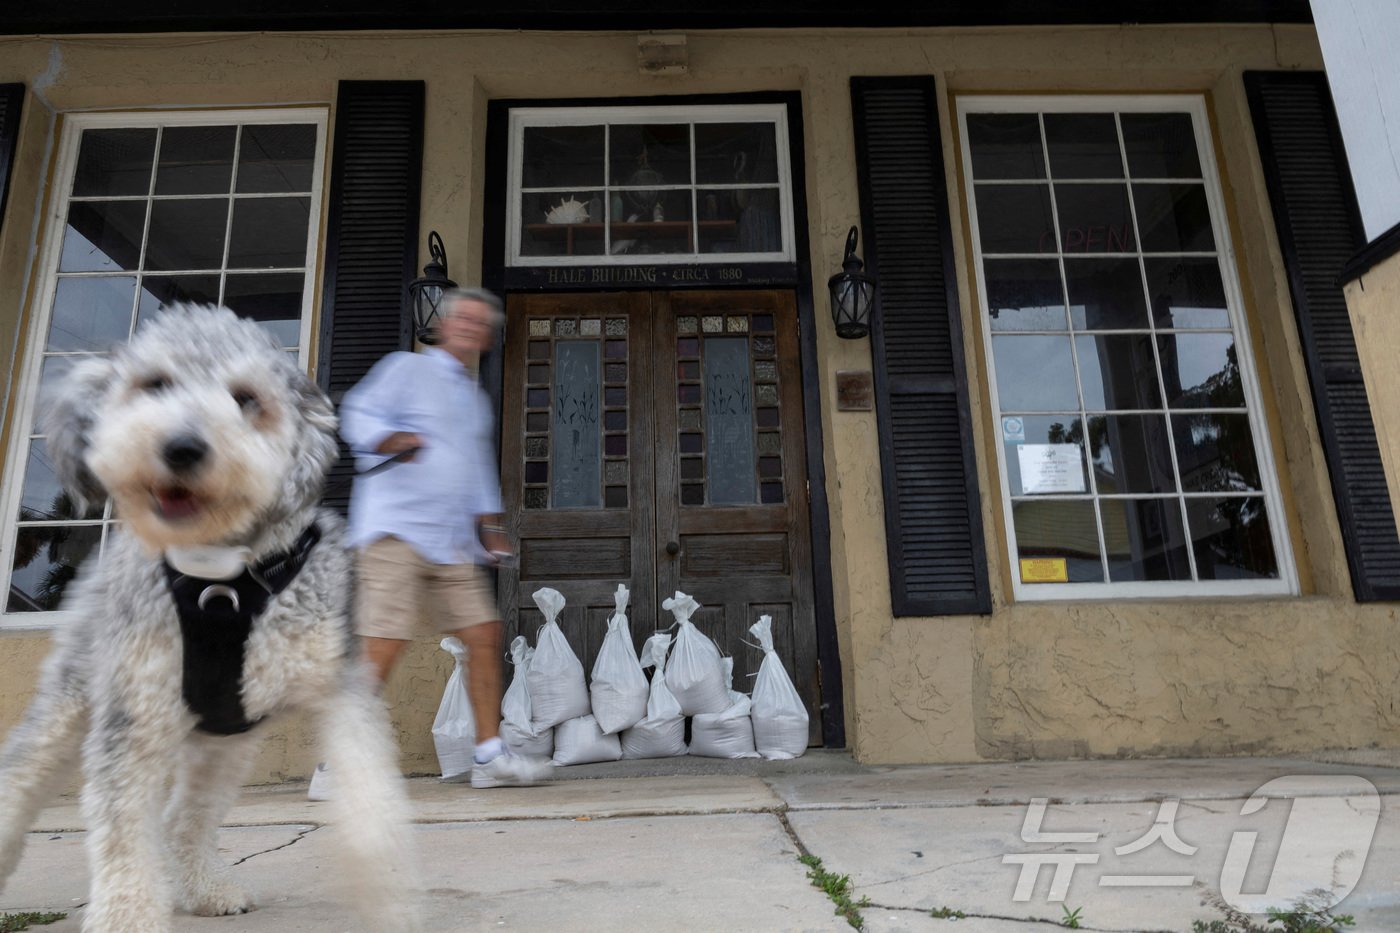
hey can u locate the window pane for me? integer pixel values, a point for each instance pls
(665, 229)
(562, 224)
(195, 160)
(54, 370)
(1186, 292)
(1160, 145)
(276, 158)
(729, 433)
(103, 236)
(1105, 294)
(1095, 219)
(91, 313)
(1083, 145)
(1145, 539)
(1131, 454)
(1117, 372)
(1005, 145)
(114, 163)
(1174, 218)
(273, 300)
(1215, 453)
(269, 233)
(1200, 371)
(1044, 429)
(1015, 219)
(1060, 529)
(46, 560)
(562, 157)
(1231, 539)
(1025, 294)
(1035, 374)
(735, 152)
(187, 234)
(743, 220)
(576, 461)
(43, 498)
(644, 156)
(158, 290)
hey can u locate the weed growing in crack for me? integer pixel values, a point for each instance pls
(837, 888)
(1311, 913)
(13, 923)
(947, 913)
(1071, 917)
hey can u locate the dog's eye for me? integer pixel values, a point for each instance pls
(246, 400)
(153, 384)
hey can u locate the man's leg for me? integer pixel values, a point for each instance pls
(483, 643)
(381, 653)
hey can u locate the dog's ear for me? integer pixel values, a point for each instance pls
(67, 415)
(317, 449)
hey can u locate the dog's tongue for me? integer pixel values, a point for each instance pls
(177, 502)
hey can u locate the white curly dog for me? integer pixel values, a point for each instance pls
(219, 603)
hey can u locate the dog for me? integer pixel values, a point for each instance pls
(219, 604)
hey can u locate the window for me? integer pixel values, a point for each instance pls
(211, 207)
(1132, 457)
(628, 185)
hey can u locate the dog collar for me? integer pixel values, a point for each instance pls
(216, 615)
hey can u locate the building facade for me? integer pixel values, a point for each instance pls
(1102, 480)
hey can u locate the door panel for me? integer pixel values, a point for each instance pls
(657, 440)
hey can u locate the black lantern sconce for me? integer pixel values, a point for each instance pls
(425, 292)
(852, 294)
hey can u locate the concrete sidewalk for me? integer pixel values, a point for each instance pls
(695, 844)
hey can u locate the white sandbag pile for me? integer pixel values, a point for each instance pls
(694, 673)
(727, 734)
(662, 733)
(779, 716)
(580, 742)
(619, 687)
(517, 730)
(558, 691)
(454, 729)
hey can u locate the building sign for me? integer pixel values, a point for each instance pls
(657, 276)
(1050, 468)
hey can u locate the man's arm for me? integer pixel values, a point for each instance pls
(370, 412)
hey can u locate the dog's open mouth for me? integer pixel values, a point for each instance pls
(176, 503)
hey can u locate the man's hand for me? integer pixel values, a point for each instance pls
(491, 530)
(398, 442)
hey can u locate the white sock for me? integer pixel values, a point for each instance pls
(485, 751)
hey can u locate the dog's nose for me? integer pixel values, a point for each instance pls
(184, 452)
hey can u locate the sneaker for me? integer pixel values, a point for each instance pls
(320, 788)
(507, 770)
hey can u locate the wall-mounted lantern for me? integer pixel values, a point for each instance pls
(425, 292)
(852, 294)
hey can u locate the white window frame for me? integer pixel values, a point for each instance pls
(1286, 584)
(522, 117)
(25, 396)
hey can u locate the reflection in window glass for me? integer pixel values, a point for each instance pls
(1125, 328)
(91, 312)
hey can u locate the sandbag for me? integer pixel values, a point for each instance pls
(779, 716)
(558, 691)
(454, 729)
(694, 673)
(516, 731)
(728, 734)
(580, 741)
(619, 688)
(662, 733)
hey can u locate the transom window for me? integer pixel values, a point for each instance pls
(628, 185)
(1132, 457)
(209, 208)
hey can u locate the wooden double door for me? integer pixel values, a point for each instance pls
(656, 440)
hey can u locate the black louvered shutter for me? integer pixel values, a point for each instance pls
(371, 239)
(1319, 229)
(933, 515)
(11, 101)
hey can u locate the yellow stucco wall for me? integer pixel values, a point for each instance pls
(1103, 678)
(1373, 301)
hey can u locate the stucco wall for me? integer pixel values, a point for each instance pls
(1114, 678)
(1372, 300)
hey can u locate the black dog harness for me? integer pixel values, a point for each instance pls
(216, 618)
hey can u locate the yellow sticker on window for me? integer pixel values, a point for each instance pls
(1044, 570)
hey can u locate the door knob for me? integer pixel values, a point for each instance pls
(673, 548)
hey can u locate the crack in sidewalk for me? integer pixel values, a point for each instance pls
(973, 916)
(299, 837)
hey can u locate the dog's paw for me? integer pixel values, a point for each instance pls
(214, 897)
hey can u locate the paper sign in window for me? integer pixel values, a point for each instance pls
(1047, 468)
(1044, 570)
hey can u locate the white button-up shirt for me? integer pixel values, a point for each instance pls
(432, 502)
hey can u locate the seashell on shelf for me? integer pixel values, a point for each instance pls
(570, 211)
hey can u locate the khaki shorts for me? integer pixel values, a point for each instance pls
(398, 590)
